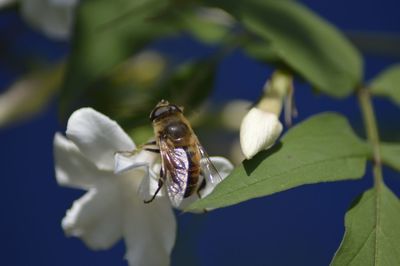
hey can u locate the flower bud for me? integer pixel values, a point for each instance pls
(259, 131)
(260, 127)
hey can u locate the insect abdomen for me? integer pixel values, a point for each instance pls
(193, 173)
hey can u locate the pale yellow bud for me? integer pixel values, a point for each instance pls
(276, 89)
(143, 69)
(279, 84)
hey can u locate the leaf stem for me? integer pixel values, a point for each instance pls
(371, 128)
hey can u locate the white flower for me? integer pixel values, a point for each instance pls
(53, 17)
(259, 131)
(150, 184)
(111, 209)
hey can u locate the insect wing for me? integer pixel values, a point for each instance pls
(208, 169)
(175, 166)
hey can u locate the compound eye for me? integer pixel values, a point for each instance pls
(176, 108)
(159, 112)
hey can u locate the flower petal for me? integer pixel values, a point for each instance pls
(53, 19)
(149, 232)
(124, 163)
(144, 161)
(98, 137)
(4, 3)
(149, 184)
(72, 168)
(259, 130)
(224, 167)
(96, 217)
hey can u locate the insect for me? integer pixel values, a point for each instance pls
(185, 166)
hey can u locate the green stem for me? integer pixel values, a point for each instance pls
(371, 127)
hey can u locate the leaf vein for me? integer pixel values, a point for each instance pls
(362, 247)
(245, 186)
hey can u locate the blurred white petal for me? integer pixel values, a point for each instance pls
(72, 168)
(98, 137)
(149, 232)
(4, 3)
(259, 131)
(29, 95)
(53, 18)
(96, 217)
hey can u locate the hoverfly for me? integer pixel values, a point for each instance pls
(185, 166)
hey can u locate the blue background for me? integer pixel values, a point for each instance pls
(302, 226)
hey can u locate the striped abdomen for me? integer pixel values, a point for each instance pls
(193, 171)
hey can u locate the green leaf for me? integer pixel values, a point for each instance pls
(321, 149)
(209, 25)
(387, 84)
(372, 234)
(188, 85)
(261, 50)
(302, 40)
(191, 83)
(106, 33)
(390, 153)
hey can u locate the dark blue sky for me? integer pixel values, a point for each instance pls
(303, 226)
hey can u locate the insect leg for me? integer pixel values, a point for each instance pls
(150, 146)
(202, 186)
(152, 150)
(160, 184)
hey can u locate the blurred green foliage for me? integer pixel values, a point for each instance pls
(387, 84)
(283, 33)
